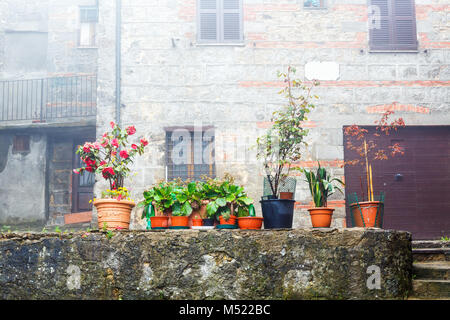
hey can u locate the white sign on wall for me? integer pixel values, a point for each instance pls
(325, 70)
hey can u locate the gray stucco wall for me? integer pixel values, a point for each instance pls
(22, 182)
(169, 79)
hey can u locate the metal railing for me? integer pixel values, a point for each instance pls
(49, 98)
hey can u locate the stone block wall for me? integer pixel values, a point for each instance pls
(169, 79)
(22, 181)
(59, 20)
(285, 264)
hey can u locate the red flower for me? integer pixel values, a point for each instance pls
(133, 146)
(87, 148)
(89, 162)
(89, 168)
(76, 171)
(107, 172)
(124, 154)
(102, 163)
(131, 130)
(112, 124)
(105, 143)
(115, 143)
(144, 142)
(96, 145)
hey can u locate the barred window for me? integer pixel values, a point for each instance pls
(190, 153)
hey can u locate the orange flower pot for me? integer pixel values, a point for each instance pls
(232, 220)
(116, 214)
(286, 195)
(178, 221)
(321, 217)
(197, 222)
(250, 223)
(159, 221)
(369, 213)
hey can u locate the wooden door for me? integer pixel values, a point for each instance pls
(82, 184)
(417, 184)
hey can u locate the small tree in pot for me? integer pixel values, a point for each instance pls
(282, 145)
(359, 140)
(111, 156)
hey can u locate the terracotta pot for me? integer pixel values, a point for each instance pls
(198, 222)
(232, 220)
(250, 223)
(286, 195)
(116, 214)
(321, 216)
(159, 221)
(179, 221)
(369, 212)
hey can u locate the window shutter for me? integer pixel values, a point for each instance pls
(405, 35)
(208, 20)
(397, 25)
(381, 33)
(232, 20)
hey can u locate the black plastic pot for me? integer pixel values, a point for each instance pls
(277, 213)
(208, 222)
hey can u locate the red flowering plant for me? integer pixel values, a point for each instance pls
(367, 149)
(111, 156)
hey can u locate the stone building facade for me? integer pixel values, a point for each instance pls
(170, 78)
(42, 50)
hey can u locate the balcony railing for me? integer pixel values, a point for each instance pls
(40, 100)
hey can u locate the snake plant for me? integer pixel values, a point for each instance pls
(321, 185)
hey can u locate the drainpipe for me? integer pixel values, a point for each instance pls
(118, 57)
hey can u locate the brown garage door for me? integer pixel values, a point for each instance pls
(417, 184)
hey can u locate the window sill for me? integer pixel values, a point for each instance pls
(222, 44)
(393, 51)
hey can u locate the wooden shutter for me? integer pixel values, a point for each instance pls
(232, 20)
(208, 22)
(405, 35)
(397, 25)
(219, 21)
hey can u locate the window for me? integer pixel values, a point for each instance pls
(21, 144)
(392, 25)
(220, 21)
(190, 153)
(314, 4)
(88, 23)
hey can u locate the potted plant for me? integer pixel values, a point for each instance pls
(321, 187)
(247, 220)
(225, 198)
(158, 202)
(366, 211)
(111, 156)
(181, 208)
(281, 146)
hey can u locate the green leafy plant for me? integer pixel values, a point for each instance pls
(162, 196)
(321, 185)
(109, 234)
(445, 239)
(282, 145)
(225, 197)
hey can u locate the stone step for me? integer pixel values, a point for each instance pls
(436, 270)
(431, 289)
(431, 254)
(417, 244)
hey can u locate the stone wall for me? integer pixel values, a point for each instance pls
(168, 79)
(283, 264)
(22, 181)
(59, 21)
